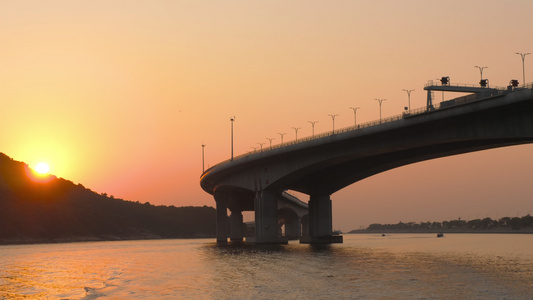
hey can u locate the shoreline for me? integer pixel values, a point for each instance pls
(32, 241)
(452, 230)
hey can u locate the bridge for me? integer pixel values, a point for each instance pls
(323, 164)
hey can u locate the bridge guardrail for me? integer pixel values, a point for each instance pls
(438, 83)
(418, 111)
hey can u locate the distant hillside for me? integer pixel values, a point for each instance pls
(58, 210)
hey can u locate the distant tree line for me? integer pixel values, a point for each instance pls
(59, 210)
(514, 223)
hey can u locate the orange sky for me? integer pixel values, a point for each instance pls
(120, 95)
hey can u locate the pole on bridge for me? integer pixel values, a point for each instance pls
(203, 168)
(380, 101)
(232, 119)
(296, 131)
(313, 126)
(333, 119)
(523, 55)
(281, 134)
(408, 99)
(270, 140)
(354, 115)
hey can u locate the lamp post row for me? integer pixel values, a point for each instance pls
(232, 119)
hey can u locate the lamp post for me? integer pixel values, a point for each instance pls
(354, 115)
(296, 131)
(203, 168)
(281, 135)
(333, 119)
(232, 119)
(380, 101)
(481, 70)
(408, 99)
(270, 140)
(523, 55)
(313, 126)
(261, 145)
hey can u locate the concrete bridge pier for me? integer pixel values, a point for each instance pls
(266, 218)
(305, 225)
(236, 226)
(293, 226)
(320, 221)
(293, 229)
(222, 231)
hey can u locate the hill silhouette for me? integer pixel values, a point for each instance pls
(486, 225)
(57, 210)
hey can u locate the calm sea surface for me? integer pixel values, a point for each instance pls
(397, 266)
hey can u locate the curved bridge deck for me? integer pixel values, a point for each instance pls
(323, 164)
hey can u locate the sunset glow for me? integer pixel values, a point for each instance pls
(37, 174)
(121, 95)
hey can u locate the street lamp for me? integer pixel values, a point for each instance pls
(354, 115)
(333, 119)
(313, 126)
(270, 140)
(203, 168)
(296, 131)
(481, 70)
(232, 119)
(408, 98)
(523, 55)
(281, 135)
(261, 145)
(380, 101)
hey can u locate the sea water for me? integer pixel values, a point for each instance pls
(365, 266)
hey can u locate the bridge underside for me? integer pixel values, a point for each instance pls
(373, 154)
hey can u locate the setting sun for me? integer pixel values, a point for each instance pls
(42, 168)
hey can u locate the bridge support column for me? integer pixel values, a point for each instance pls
(305, 225)
(320, 213)
(320, 221)
(266, 218)
(293, 229)
(222, 217)
(236, 226)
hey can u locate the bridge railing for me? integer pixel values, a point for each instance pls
(418, 111)
(438, 83)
